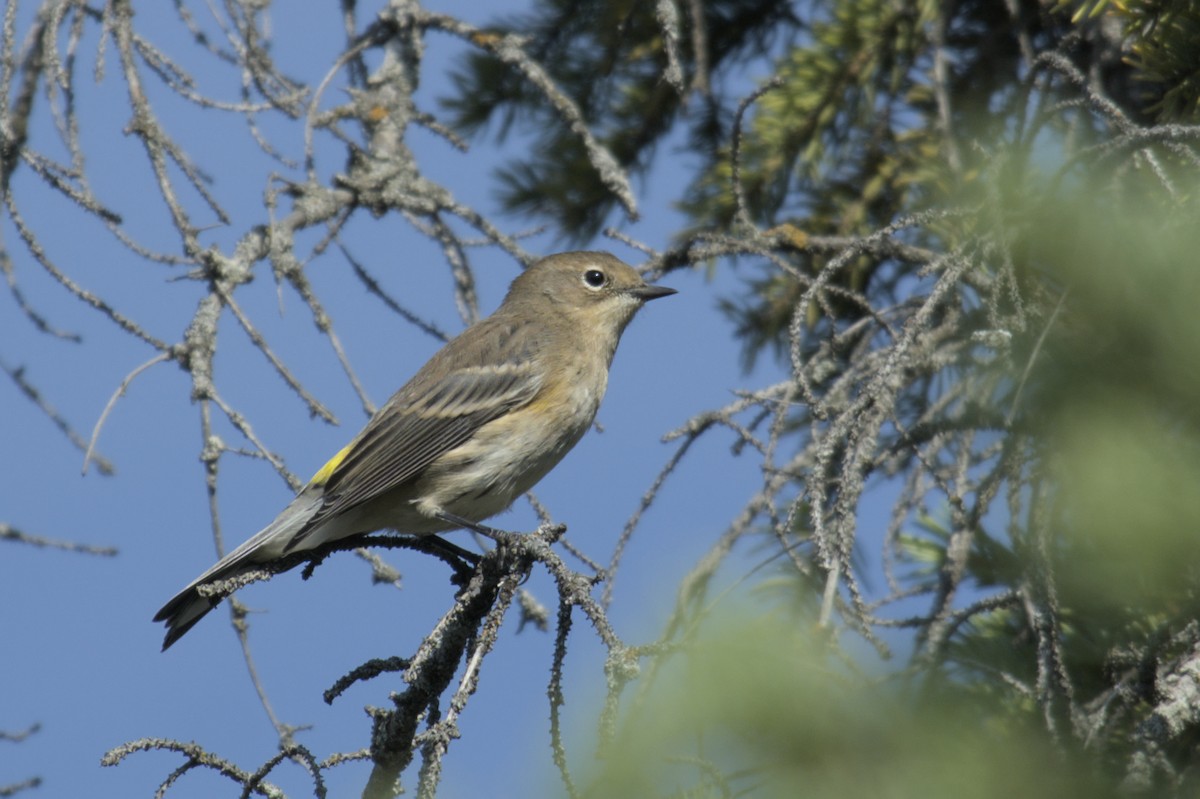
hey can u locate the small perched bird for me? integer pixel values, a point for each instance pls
(486, 418)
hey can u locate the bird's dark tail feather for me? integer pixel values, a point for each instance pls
(183, 611)
(189, 606)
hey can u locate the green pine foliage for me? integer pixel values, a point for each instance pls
(609, 58)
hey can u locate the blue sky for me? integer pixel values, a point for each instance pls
(81, 655)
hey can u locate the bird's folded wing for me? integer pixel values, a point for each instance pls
(422, 421)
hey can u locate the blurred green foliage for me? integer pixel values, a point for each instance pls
(1116, 405)
(761, 707)
(1109, 410)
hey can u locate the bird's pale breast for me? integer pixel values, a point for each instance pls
(509, 455)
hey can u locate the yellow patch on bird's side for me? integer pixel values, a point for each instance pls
(321, 477)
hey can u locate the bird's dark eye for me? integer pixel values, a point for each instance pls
(594, 278)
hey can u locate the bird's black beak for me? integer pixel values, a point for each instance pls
(649, 292)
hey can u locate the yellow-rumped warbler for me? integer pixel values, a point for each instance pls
(486, 418)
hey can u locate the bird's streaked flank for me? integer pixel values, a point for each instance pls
(486, 418)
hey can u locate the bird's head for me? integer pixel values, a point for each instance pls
(594, 289)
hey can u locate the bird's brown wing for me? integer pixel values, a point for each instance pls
(438, 410)
(400, 443)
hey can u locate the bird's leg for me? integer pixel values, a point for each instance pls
(451, 549)
(501, 537)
